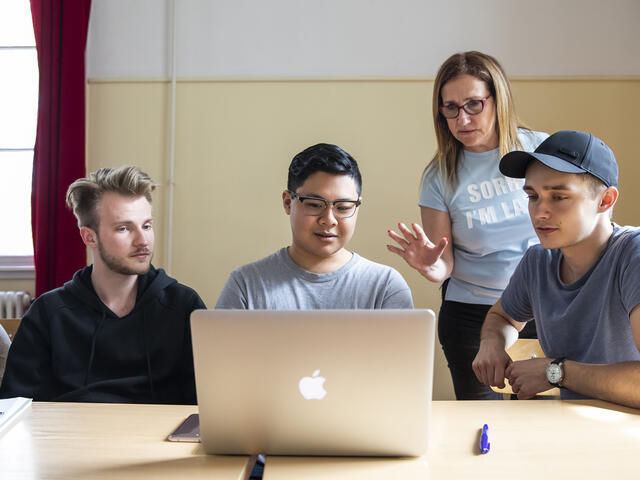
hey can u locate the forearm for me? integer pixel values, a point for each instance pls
(498, 331)
(617, 382)
(496, 336)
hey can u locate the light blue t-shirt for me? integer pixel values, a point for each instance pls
(490, 223)
(588, 320)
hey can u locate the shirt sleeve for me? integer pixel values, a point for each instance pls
(397, 294)
(630, 275)
(188, 374)
(28, 371)
(530, 139)
(431, 191)
(234, 293)
(516, 300)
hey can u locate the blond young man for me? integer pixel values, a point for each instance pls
(119, 330)
(581, 284)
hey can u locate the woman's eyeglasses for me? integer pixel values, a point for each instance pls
(472, 107)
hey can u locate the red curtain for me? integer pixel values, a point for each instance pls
(61, 35)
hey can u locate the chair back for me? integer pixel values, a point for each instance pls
(10, 325)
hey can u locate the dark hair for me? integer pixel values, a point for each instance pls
(323, 157)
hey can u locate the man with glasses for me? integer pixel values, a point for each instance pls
(316, 271)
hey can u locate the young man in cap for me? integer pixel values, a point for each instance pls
(316, 271)
(581, 284)
(119, 331)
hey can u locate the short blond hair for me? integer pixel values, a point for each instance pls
(84, 195)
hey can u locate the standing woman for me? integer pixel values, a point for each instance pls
(466, 199)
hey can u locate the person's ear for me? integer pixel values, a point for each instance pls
(89, 237)
(608, 199)
(286, 201)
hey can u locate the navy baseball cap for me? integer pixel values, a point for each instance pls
(567, 151)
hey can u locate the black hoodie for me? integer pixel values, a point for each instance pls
(71, 347)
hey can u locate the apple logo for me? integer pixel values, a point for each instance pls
(311, 387)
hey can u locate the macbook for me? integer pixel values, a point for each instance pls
(314, 382)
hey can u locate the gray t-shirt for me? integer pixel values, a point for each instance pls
(588, 320)
(277, 283)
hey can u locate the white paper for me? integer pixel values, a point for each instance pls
(11, 410)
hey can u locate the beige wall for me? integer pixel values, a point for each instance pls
(18, 285)
(235, 139)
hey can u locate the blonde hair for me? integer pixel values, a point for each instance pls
(487, 69)
(84, 195)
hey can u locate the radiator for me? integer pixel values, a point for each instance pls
(14, 304)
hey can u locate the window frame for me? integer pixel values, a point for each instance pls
(17, 266)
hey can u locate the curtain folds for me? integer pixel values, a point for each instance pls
(59, 155)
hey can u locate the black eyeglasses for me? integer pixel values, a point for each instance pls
(315, 206)
(472, 107)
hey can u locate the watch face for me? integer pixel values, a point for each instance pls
(554, 373)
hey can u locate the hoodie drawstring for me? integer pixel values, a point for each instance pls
(146, 353)
(93, 347)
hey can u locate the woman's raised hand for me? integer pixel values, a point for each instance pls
(416, 248)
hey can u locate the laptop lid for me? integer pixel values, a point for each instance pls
(314, 382)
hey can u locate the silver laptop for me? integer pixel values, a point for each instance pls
(314, 382)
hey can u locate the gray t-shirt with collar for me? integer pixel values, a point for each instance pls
(277, 283)
(588, 320)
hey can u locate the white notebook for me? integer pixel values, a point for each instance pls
(11, 411)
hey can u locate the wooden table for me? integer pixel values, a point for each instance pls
(532, 439)
(100, 441)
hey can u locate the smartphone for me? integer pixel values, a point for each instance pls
(188, 431)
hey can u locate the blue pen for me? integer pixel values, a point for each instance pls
(485, 446)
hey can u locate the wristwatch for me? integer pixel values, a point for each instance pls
(555, 372)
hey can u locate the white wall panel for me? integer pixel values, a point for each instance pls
(298, 38)
(129, 38)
